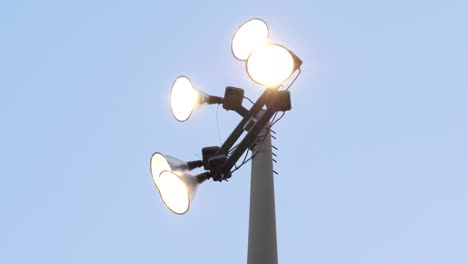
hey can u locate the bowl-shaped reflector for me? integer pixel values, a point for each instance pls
(184, 98)
(270, 65)
(250, 35)
(177, 189)
(160, 163)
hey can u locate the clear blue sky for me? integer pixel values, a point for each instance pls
(372, 160)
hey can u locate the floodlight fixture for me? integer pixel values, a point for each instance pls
(177, 189)
(250, 35)
(160, 162)
(271, 65)
(185, 98)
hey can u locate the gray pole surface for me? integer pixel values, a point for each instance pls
(262, 248)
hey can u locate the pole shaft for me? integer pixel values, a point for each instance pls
(262, 247)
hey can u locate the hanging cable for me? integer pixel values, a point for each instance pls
(248, 99)
(295, 78)
(245, 161)
(217, 124)
(275, 121)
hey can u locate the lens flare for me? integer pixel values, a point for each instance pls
(270, 65)
(251, 35)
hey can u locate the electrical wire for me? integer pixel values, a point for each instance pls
(248, 99)
(295, 78)
(245, 157)
(217, 125)
(275, 121)
(245, 161)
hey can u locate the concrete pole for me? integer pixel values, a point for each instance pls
(262, 248)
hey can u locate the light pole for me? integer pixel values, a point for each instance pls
(262, 220)
(269, 65)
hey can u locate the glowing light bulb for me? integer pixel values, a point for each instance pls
(177, 189)
(250, 35)
(184, 98)
(270, 65)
